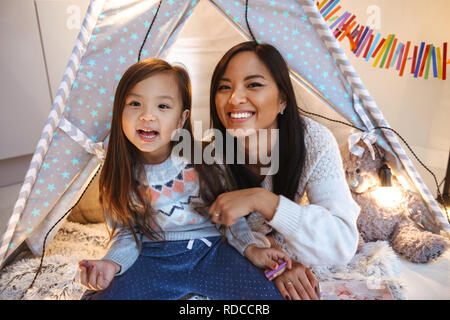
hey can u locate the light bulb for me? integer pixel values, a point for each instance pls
(387, 196)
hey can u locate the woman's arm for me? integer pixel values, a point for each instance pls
(231, 206)
(321, 233)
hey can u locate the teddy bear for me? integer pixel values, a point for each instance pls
(403, 220)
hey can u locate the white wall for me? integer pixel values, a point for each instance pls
(418, 109)
(60, 22)
(24, 91)
(37, 38)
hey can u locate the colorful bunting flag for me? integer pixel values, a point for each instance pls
(388, 52)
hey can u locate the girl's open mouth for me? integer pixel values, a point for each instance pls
(148, 135)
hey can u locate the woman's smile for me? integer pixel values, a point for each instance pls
(240, 116)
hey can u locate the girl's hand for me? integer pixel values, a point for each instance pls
(268, 258)
(299, 283)
(231, 206)
(97, 274)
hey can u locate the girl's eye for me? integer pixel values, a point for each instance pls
(163, 106)
(134, 104)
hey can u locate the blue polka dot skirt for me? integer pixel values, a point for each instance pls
(171, 270)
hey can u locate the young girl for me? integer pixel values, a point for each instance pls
(163, 245)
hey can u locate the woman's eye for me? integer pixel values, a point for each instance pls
(254, 85)
(223, 87)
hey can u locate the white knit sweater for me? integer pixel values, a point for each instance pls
(322, 231)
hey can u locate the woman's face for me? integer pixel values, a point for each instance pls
(247, 96)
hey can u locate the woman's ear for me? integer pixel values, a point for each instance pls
(184, 116)
(282, 106)
(282, 103)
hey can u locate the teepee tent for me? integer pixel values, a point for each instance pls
(196, 33)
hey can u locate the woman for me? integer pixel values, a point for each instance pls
(251, 90)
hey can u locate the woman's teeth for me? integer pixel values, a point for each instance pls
(240, 115)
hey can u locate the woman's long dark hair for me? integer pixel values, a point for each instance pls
(291, 126)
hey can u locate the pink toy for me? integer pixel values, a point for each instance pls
(272, 272)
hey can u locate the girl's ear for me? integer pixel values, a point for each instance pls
(184, 116)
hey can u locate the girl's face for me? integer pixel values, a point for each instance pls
(247, 96)
(152, 112)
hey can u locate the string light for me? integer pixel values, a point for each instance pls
(388, 197)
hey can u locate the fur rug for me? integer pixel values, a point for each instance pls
(376, 263)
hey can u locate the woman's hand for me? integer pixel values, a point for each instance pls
(298, 283)
(97, 274)
(231, 206)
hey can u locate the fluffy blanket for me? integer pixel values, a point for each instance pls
(376, 263)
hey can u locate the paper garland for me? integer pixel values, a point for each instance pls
(427, 60)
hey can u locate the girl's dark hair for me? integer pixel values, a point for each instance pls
(119, 189)
(290, 124)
